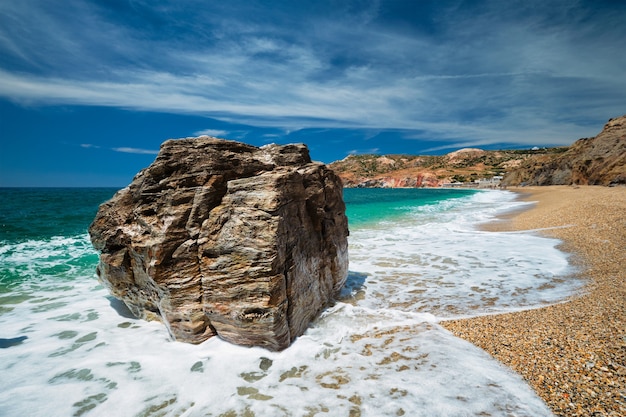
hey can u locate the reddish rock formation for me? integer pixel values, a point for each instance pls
(595, 161)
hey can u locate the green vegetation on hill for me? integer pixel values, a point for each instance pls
(600, 160)
(465, 165)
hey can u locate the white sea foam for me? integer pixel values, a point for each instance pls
(437, 261)
(378, 352)
(81, 357)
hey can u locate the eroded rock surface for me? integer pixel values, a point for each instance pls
(222, 238)
(600, 160)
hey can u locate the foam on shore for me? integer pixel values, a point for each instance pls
(437, 261)
(378, 351)
(573, 353)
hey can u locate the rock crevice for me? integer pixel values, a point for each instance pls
(220, 237)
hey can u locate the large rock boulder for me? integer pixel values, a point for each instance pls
(222, 238)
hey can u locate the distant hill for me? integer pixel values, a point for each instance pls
(599, 160)
(462, 166)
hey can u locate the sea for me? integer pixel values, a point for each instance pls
(417, 257)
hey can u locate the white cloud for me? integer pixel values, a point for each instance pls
(122, 149)
(136, 150)
(212, 132)
(364, 151)
(523, 79)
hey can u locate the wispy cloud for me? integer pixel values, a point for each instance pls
(89, 146)
(536, 75)
(122, 149)
(212, 132)
(364, 151)
(136, 150)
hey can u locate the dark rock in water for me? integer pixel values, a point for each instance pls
(222, 238)
(7, 343)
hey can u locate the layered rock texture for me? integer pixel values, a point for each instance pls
(222, 238)
(600, 160)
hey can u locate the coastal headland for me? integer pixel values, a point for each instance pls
(600, 160)
(573, 353)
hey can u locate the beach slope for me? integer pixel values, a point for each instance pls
(574, 353)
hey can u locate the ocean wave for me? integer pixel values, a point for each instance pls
(436, 260)
(59, 258)
(377, 351)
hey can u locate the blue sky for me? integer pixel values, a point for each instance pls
(90, 89)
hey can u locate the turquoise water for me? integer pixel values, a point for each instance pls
(39, 221)
(416, 257)
(41, 213)
(43, 234)
(370, 205)
(47, 226)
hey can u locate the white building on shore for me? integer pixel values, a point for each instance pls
(493, 182)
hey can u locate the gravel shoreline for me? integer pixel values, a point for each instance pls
(574, 353)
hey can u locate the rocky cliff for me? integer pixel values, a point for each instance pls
(222, 238)
(600, 160)
(464, 165)
(595, 161)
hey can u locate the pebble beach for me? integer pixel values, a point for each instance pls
(573, 354)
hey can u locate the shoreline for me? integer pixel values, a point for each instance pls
(573, 354)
